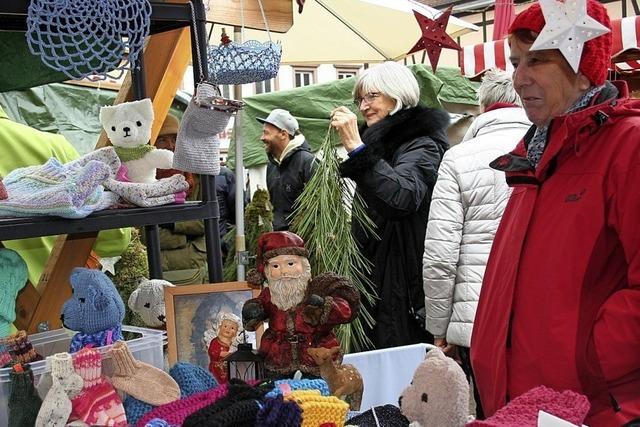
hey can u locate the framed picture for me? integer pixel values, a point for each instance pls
(192, 315)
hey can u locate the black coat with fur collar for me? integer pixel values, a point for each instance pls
(395, 174)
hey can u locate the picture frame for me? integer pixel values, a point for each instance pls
(191, 313)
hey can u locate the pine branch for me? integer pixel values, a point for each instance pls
(322, 217)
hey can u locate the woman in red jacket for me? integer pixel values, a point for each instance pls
(560, 301)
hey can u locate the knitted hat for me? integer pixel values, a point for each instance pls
(95, 304)
(139, 379)
(192, 378)
(13, 276)
(276, 412)
(170, 125)
(596, 55)
(273, 244)
(523, 410)
(302, 384)
(176, 412)
(318, 409)
(135, 410)
(387, 415)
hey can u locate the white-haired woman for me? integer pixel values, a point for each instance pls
(394, 161)
(222, 345)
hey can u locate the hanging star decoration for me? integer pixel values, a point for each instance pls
(434, 36)
(567, 27)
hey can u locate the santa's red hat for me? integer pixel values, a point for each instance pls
(596, 55)
(273, 244)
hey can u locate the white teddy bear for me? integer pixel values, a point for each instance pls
(128, 126)
(147, 300)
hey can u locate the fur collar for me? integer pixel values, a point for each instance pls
(388, 134)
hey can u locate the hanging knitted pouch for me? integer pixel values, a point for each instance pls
(197, 144)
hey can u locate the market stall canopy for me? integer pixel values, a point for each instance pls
(626, 44)
(353, 31)
(474, 60)
(311, 105)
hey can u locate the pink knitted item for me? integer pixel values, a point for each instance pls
(3, 190)
(98, 403)
(175, 413)
(523, 410)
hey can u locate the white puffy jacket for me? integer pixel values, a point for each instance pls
(466, 207)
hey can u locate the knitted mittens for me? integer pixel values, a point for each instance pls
(20, 348)
(56, 407)
(97, 403)
(162, 192)
(197, 143)
(141, 380)
(13, 276)
(24, 402)
(54, 189)
(192, 378)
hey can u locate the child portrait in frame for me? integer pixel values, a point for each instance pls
(193, 316)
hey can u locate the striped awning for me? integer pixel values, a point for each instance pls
(476, 59)
(626, 44)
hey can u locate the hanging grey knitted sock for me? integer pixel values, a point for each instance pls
(197, 143)
(56, 407)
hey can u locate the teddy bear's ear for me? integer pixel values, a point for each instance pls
(145, 108)
(133, 300)
(105, 115)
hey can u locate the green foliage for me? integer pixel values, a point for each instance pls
(131, 267)
(322, 217)
(258, 218)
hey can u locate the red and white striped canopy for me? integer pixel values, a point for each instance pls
(626, 42)
(476, 59)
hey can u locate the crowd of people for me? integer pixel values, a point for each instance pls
(517, 251)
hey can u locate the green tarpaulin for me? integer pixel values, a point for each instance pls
(67, 109)
(311, 105)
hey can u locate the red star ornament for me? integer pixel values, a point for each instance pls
(434, 36)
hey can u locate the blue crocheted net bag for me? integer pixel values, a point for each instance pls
(240, 63)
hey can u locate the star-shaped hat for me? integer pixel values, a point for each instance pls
(434, 36)
(567, 27)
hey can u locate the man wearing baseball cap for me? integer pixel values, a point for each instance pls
(290, 166)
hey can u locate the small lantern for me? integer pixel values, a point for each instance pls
(245, 363)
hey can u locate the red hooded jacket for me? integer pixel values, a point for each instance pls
(560, 301)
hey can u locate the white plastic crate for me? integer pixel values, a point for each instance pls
(145, 348)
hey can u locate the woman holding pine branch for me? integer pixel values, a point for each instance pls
(394, 162)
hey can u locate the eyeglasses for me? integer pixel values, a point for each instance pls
(368, 98)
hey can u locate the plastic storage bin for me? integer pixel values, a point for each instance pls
(145, 348)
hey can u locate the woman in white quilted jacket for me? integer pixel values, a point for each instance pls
(466, 207)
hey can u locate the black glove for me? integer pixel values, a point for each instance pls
(312, 312)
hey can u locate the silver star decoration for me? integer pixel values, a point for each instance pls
(109, 264)
(567, 27)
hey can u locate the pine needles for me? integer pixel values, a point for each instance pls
(323, 219)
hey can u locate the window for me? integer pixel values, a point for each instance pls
(265, 86)
(303, 76)
(345, 73)
(227, 91)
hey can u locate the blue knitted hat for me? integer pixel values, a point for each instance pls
(135, 409)
(13, 276)
(192, 378)
(95, 304)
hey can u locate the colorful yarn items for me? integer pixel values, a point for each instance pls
(318, 409)
(287, 385)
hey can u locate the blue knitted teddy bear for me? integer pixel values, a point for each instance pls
(95, 310)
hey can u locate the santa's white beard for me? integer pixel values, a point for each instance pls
(288, 292)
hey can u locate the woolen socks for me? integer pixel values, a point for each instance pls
(162, 192)
(24, 402)
(141, 380)
(97, 403)
(20, 348)
(56, 407)
(13, 276)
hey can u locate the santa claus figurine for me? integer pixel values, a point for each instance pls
(301, 311)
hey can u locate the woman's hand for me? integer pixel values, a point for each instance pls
(346, 123)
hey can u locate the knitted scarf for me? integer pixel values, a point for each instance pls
(539, 140)
(98, 339)
(127, 154)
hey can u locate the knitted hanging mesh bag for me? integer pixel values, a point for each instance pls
(233, 63)
(81, 38)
